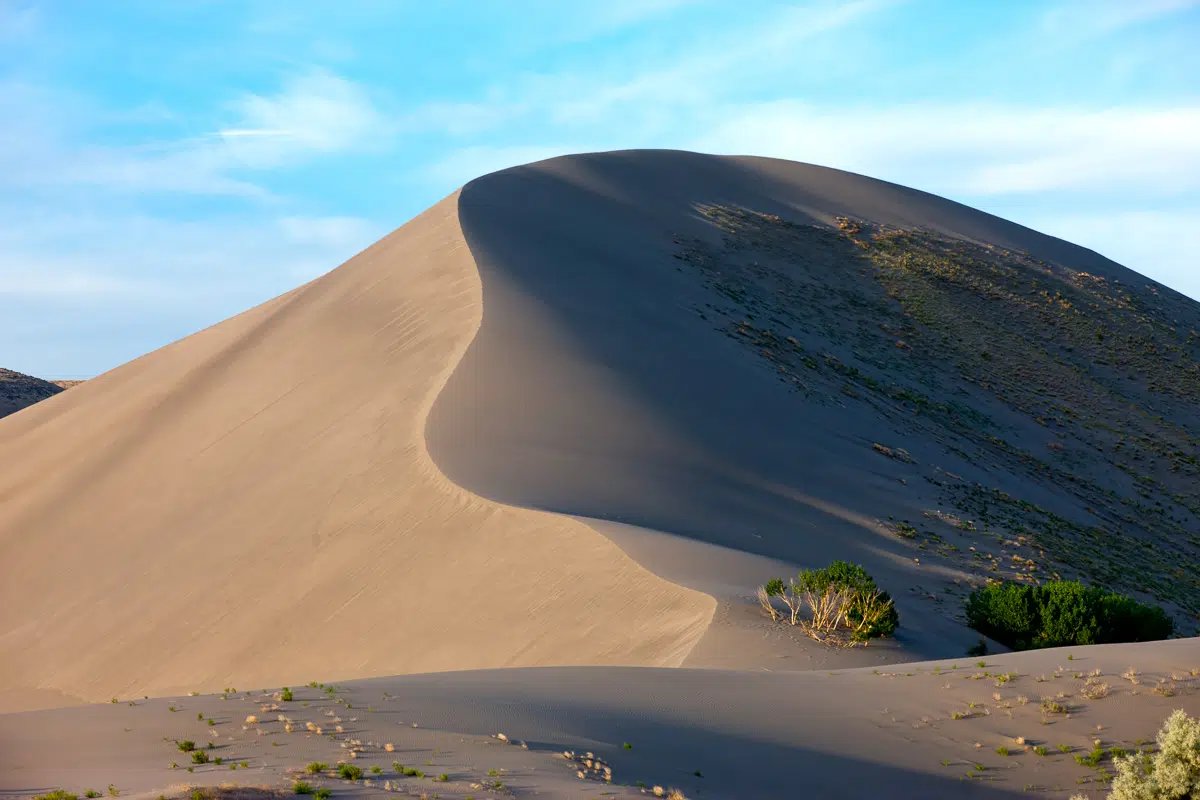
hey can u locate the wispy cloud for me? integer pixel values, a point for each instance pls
(314, 115)
(694, 74)
(978, 150)
(316, 112)
(97, 255)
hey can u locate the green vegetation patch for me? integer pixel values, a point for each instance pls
(1062, 613)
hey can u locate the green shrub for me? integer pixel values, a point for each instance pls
(1062, 613)
(317, 767)
(199, 757)
(349, 772)
(186, 746)
(301, 787)
(286, 695)
(841, 597)
(57, 794)
(323, 794)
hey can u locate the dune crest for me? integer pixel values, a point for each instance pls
(255, 505)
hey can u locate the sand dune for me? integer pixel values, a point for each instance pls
(569, 418)
(846, 734)
(254, 504)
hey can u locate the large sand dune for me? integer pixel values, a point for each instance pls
(254, 504)
(573, 415)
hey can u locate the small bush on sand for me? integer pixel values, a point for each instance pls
(1173, 771)
(1062, 613)
(286, 694)
(349, 772)
(199, 757)
(57, 794)
(301, 787)
(186, 746)
(843, 603)
(317, 767)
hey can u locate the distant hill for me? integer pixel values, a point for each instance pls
(18, 390)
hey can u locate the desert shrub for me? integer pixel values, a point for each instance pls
(842, 601)
(57, 794)
(1062, 613)
(349, 772)
(1171, 773)
(286, 694)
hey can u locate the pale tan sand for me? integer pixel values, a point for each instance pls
(850, 734)
(254, 505)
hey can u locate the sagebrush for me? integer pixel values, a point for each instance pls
(1172, 772)
(842, 602)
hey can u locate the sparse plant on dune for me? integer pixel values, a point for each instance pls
(844, 606)
(764, 599)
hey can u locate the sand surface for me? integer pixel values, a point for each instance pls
(254, 504)
(841, 734)
(508, 436)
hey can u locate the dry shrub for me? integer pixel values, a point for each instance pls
(1172, 772)
(844, 605)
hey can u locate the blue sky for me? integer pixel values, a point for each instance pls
(166, 165)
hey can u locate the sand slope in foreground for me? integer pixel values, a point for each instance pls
(750, 734)
(253, 505)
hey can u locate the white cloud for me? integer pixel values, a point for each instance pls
(978, 150)
(45, 280)
(709, 69)
(315, 113)
(623, 93)
(231, 261)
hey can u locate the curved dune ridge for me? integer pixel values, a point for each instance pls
(504, 435)
(254, 504)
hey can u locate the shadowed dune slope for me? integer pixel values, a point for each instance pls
(254, 504)
(691, 344)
